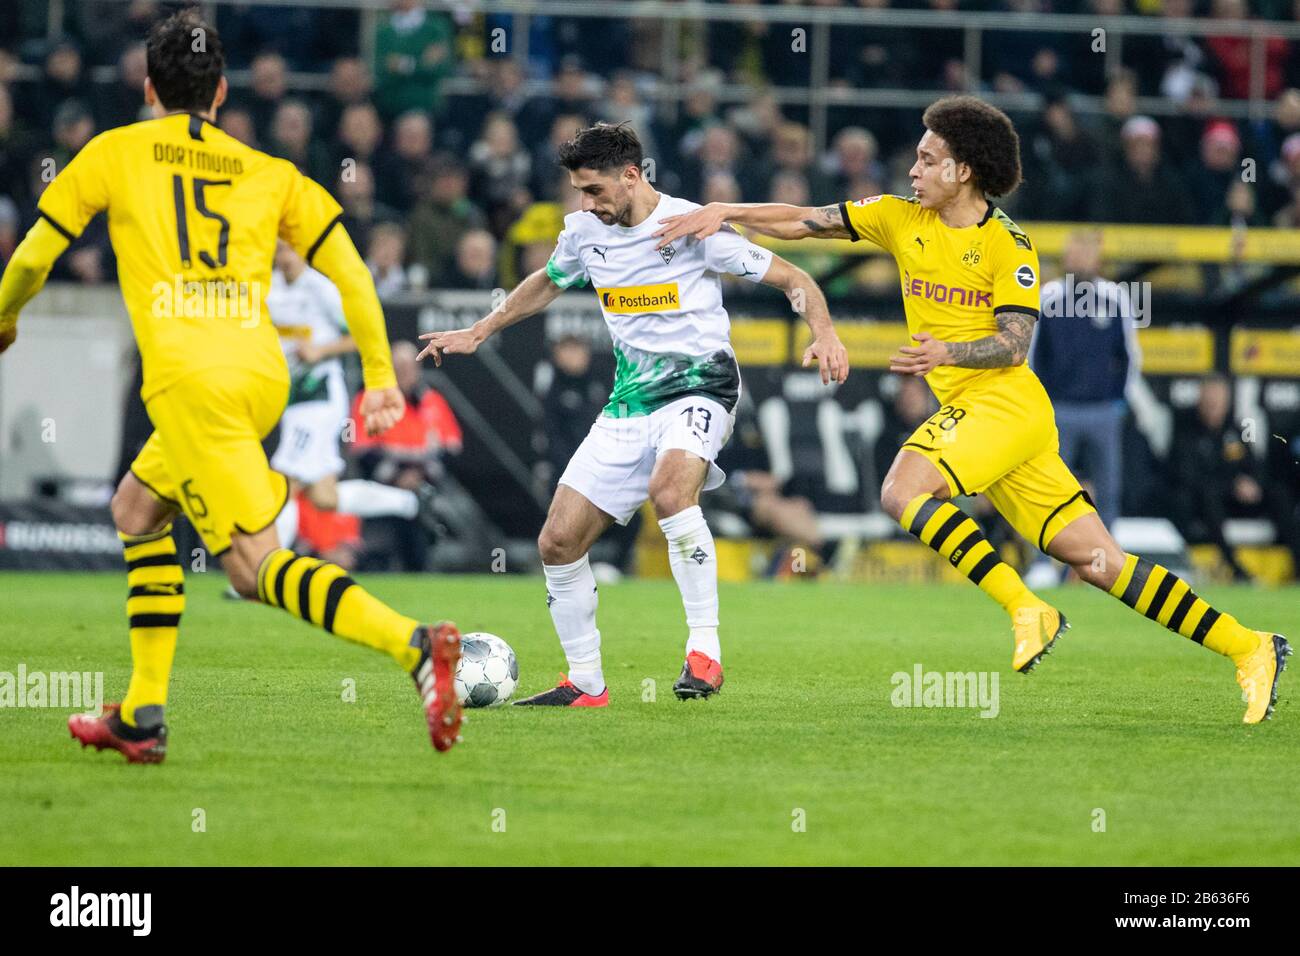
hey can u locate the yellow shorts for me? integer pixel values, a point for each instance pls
(1002, 443)
(205, 455)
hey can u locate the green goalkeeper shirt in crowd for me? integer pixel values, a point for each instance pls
(413, 52)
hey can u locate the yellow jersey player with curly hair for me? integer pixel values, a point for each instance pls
(970, 284)
(194, 216)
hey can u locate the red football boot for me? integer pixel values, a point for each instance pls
(565, 694)
(137, 746)
(701, 677)
(435, 679)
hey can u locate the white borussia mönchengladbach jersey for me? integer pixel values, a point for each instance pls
(309, 309)
(663, 306)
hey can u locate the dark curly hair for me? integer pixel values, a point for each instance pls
(602, 147)
(185, 60)
(982, 137)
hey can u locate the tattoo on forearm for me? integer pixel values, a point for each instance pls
(827, 223)
(1008, 347)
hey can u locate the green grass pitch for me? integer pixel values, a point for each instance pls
(802, 759)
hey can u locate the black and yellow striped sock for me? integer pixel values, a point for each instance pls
(321, 593)
(955, 535)
(154, 606)
(1158, 593)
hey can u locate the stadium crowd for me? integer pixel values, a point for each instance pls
(462, 190)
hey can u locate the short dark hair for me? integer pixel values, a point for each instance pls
(982, 137)
(185, 60)
(602, 147)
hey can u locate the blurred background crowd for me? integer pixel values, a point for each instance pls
(439, 141)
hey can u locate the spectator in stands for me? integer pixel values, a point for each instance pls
(350, 85)
(476, 261)
(1218, 477)
(500, 172)
(1085, 352)
(1060, 158)
(64, 80)
(504, 92)
(1166, 64)
(792, 152)
(238, 122)
(361, 212)
(410, 454)
(720, 187)
(622, 102)
(360, 131)
(122, 101)
(270, 83)
(413, 54)
(1230, 56)
(853, 157)
(443, 214)
(398, 167)
(1218, 169)
(291, 139)
(563, 128)
(720, 153)
(16, 147)
(571, 94)
(384, 257)
(1146, 188)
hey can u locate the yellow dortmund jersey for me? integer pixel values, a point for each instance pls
(193, 215)
(955, 281)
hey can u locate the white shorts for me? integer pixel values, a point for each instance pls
(309, 441)
(612, 466)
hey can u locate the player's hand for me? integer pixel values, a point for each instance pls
(381, 409)
(7, 337)
(459, 342)
(922, 358)
(831, 357)
(700, 223)
(309, 354)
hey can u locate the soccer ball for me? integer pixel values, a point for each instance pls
(488, 670)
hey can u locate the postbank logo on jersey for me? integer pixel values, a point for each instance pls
(627, 300)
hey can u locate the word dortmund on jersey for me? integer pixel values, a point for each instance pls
(955, 281)
(193, 218)
(663, 306)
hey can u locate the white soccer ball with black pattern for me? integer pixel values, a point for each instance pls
(488, 670)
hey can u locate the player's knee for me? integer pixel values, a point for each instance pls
(557, 547)
(132, 513)
(670, 500)
(894, 499)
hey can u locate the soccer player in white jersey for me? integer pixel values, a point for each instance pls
(308, 314)
(674, 398)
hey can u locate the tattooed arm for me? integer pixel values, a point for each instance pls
(779, 220)
(1007, 347)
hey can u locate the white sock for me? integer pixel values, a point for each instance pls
(286, 523)
(694, 561)
(571, 596)
(370, 499)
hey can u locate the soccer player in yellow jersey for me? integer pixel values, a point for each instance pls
(194, 216)
(970, 286)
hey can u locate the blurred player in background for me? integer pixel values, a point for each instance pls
(673, 404)
(308, 313)
(971, 295)
(194, 217)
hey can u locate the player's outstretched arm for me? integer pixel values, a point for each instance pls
(775, 219)
(807, 299)
(531, 296)
(25, 275)
(1007, 347)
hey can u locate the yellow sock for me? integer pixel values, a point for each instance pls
(321, 593)
(154, 606)
(955, 535)
(1167, 599)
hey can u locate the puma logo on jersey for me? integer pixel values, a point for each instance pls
(641, 298)
(920, 242)
(601, 252)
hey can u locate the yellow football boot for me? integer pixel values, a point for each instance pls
(1257, 673)
(1036, 629)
